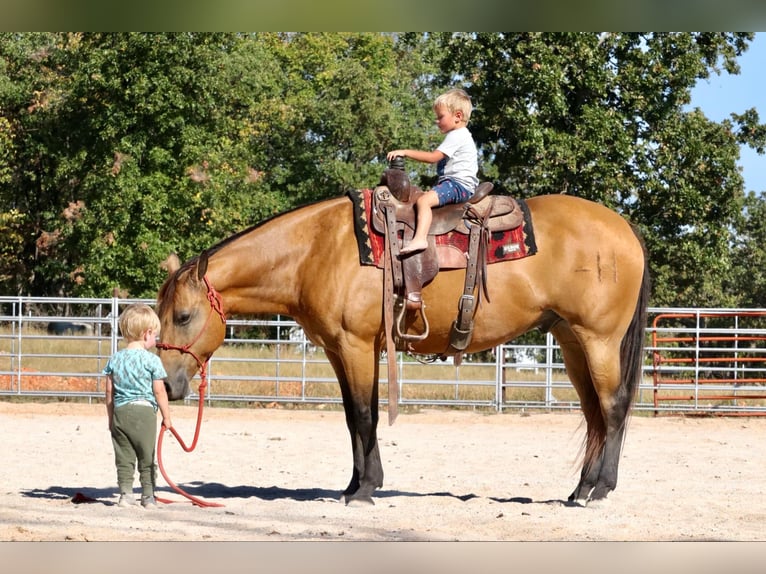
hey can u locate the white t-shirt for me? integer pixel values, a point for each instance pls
(461, 163)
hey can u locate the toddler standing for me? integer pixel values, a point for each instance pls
(135, 389)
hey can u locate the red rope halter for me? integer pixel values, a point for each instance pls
(216, 304)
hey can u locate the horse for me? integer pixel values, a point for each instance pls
(588, 284)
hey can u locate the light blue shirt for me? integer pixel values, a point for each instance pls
(133, 374)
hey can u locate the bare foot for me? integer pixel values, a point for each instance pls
(414, 246)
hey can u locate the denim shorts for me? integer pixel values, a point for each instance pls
(450, 191)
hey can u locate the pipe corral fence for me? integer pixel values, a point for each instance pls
(696, 361)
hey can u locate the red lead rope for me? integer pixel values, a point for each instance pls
(196, 501)
(215, 305)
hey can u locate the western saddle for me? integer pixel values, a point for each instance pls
(394, 216)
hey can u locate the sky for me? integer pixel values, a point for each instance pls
(722, 95)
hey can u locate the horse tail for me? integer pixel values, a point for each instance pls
(632, 346)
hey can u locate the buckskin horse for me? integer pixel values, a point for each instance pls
(588, 284)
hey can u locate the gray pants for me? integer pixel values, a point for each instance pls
(134, 437)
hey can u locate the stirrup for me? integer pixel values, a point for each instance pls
(400, 322)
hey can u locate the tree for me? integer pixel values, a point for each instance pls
(129, 146)
(602, 116)
(330, 107)
(24, 96)
(749, 251)
(98, 123)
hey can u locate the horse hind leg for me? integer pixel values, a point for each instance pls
(604, 411)
(616, 371)
(613, 404)
(579, 375)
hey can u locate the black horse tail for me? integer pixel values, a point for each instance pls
(633, 343)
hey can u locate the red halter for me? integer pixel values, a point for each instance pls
(216, 304)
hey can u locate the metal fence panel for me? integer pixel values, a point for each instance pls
(697, 360)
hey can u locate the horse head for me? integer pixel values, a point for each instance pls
(193, 324)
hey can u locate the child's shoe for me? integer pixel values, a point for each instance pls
(149, 502)
(126, 501)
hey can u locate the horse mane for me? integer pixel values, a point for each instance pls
(230, 239)
(167, 291)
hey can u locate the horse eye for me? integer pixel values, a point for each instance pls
(183, 318)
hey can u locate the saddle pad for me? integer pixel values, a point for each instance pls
(504, 245)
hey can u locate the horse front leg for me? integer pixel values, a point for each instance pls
(367, 474)
(360, 404)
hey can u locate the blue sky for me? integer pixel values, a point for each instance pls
(722, 95)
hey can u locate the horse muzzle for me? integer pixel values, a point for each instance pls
(177, 386)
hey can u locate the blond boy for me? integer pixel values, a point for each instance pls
(456, 162)
(135, 389)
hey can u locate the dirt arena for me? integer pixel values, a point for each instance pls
(450, 476)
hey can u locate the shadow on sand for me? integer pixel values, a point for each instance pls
(108, 496)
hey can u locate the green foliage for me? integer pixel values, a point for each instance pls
(603, 116)
(748, 279)
(12, 233)
(127, 147)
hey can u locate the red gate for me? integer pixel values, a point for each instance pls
(710, 359)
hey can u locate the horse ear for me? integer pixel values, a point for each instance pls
(171, 264)
(202, 265)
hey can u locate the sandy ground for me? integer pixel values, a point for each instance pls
(450, 476)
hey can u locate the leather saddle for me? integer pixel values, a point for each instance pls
(394, 216)
(503, 211)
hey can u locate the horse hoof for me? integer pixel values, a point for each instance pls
(577, 499)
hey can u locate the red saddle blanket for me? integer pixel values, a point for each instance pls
(504, 245)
